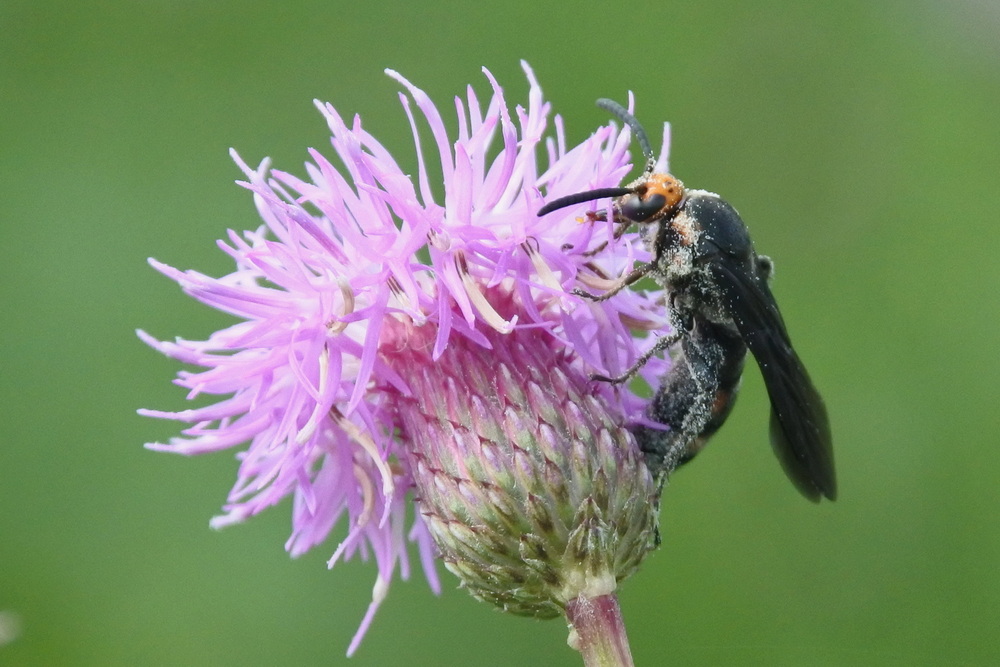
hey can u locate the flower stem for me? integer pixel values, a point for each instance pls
(597, 631)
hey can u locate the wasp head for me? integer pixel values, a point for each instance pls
(652, 197)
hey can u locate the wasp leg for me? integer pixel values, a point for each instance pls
(599, 248)
(592, 217)
(623, 225)
(633, 277)
(661, 345)
(694, 399)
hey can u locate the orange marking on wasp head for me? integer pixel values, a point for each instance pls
(666, 185)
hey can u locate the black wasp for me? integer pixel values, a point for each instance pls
(720, 305)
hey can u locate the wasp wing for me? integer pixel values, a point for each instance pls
(800, 430)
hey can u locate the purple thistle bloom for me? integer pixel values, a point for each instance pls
(388, 341)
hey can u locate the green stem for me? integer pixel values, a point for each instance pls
(597, 631)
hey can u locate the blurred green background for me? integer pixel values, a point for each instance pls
(861, 142)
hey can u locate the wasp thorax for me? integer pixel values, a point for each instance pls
(655, 196)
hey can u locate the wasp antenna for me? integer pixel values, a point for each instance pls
(622, 114)
(580, 197)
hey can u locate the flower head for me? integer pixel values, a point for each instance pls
(391, 340)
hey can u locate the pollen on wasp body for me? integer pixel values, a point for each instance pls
(721, 306)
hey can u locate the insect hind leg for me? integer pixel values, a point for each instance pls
(683, 404)
(662, 344)
(694, 398)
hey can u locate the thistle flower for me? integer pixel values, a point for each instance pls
(391, 341)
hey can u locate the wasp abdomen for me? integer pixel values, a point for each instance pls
(695, 397)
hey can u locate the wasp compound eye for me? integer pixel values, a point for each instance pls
(655, 196)
(639, 208)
